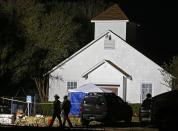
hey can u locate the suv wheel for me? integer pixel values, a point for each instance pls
(128, 120)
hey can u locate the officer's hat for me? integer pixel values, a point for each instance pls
(65, 97)
(56, 96)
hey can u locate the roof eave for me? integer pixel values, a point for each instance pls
(85, 75)
(76, 53)
(109, 21)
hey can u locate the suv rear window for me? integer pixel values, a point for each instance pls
(111, 98)
(93, 100)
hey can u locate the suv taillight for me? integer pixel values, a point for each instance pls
(81, 108)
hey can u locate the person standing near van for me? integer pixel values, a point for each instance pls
(147, 102)
(66, 105)
(56, 111)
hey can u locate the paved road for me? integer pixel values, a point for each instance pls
(117, 129)
(114, 127)
(80, 129)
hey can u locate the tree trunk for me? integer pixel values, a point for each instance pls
(43, 88)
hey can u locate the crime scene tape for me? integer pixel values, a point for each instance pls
(24, 101)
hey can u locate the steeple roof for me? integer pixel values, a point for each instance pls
(112, 13)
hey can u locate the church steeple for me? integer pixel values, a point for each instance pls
(112, 19)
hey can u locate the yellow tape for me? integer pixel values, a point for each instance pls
(43, 103)
(23, 101)
(13, 100)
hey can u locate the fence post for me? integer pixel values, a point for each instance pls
(34, 106)
(28, 108)
(11, 105)
(3, 99)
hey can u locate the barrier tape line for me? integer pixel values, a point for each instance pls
(22, 101)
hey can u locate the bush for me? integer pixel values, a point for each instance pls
(135, 108)
(45, 109)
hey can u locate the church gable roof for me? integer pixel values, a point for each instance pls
(113, 13)
(109, 62)
(91, 43)
(76, 53)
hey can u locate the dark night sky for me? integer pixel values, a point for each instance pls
(157, 33)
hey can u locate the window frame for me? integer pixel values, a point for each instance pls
(71, 85)
(141, 90)
(109, 44)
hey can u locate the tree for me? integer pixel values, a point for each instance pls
(10, 42)
(38, 34)
(85, 10)
(171, 73)
(47, 38)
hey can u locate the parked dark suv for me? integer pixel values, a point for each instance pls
(165, 110)
(104, 107)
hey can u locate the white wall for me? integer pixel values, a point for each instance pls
(108, 75)
(119, 27)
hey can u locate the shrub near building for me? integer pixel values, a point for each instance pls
(135, 108)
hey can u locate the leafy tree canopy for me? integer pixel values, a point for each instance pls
(171, 68)
(36, 35)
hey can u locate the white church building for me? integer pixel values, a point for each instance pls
(110, 63)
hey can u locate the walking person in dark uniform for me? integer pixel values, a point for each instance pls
(56, 111)
(66, 105)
